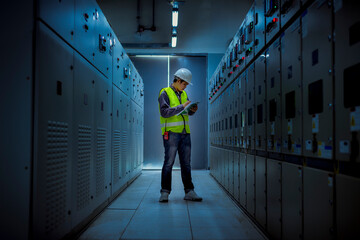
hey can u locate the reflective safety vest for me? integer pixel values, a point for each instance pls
(175, 123)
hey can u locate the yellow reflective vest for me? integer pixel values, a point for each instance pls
(175, 123)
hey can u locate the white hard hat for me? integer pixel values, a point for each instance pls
(184, 74)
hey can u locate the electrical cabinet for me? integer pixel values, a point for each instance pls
(59, 15)
(347, 207)
(237, 176)
(250, 184)
(119, 66)
(243, 179)
(347, 67)
(117, 177)
(272, 19)
(93, 36)
(260, 190)
(260, 103)
(274, 103)
(249, 33)
(259, 26)
(231, 172)
(288, 10)
(318, 204)
(102, 132)
(52, 136)
(274, 199)
(292, 212)
(291, 90)
(243, 111)
(250, 106)
(237, 113)
(84, 107)
(317, 81)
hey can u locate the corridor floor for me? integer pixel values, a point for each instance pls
(137, 214)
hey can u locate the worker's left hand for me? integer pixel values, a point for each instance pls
(194, 108)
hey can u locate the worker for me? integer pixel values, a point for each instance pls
(176, 134)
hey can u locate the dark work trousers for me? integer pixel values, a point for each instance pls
(180, 143)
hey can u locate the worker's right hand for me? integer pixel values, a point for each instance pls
(187, 103)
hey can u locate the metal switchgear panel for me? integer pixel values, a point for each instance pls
(250, 106)
(231, 172)
(272, 18)
(288, 9)
(53, 136)
(242, 45)
(119, 66)
(102, 137)
(292, 211)
(273, 88)
(260, 190)
(237, 176)
(228, 116)
(249, 33)
(347, 207)
(274, 198)
(117, 178)
(243, 109)
(233, 110)
(250, 184)
(127, 73)
(317, 81)
(260, 103)
(59, 15)
(125, 112)
(84, 107)
(86, 29)
(105, 44)
(318, 204)
(259, 24)
(237, 123)
(347, 67)
(291, 90)
(243, 179)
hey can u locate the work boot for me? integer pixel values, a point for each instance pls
(164, 197)
(192, 196)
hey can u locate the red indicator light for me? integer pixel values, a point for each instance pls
(231, 72)
(275, 20)
(236, 65)
(243, 58)
(219, 86)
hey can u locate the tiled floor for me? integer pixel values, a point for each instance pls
(137, 214)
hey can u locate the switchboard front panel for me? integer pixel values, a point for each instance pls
(317, 81)
(291, 90)
(274, 101)
(347, 63)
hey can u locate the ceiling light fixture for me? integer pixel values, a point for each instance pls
(175, 14)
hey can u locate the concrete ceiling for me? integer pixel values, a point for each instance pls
(205, 26)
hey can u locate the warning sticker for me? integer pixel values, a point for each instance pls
(315, 123)
(308, 145)
(324, 151)
(355, 120)
(344, 146)
(290, 126)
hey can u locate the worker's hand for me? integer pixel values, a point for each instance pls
(187, 103)
(194, 108)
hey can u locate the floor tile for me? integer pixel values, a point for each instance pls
(108, 226)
